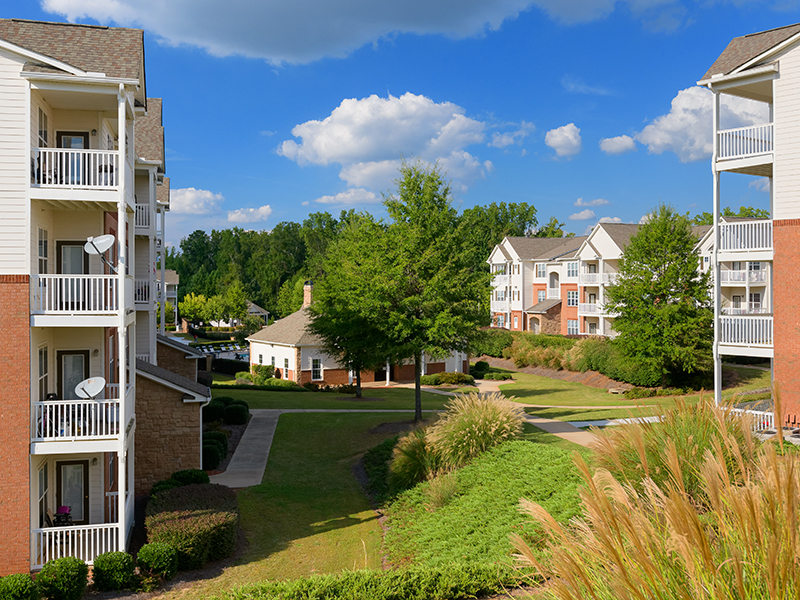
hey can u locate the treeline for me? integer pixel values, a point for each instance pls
(271, 266)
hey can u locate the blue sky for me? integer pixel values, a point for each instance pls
(274, 110)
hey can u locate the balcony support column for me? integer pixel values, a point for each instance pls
(715, 258)
(601, 290)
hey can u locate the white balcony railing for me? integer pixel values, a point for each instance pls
(500, 279)
(553, 293)
(590, 278)
(141, 291)
(745, 141)
(67, 420)
(590, 309)
(749, 308)
(499, 306)
(746, 331)
(747, 235)
(143, 216)
(67, 168)
(81, 541)
(144, 357)
(759, 420)
(74, 294)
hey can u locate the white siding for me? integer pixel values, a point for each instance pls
(267, 351)
(307, 353)
(14, 166)
(786, 169)
(143, 331)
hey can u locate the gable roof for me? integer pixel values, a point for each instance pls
(290, 331)
(194, 391)
(149, 134)
(742, 50)
(543, 306)
(533, 248)
(162, 193)
(171, 276)
(172, 343)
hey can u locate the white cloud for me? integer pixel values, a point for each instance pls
(367, 137)
(584, 215)
(565, 140)
(194, 201)
(687, 129)
(645, 219)
(501, 140)
(305, 203)
(761, 184)
(610, 220)
(350, 197)
(595, 202)
(576, 85)
(250, 215)
(267, 133)
(301, 32)
(618, 145)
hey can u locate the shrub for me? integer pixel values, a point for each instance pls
(413, 460)
(441, 489)
(473, 423)
(226, 400)
(240, 402)
(157, 560)
(200, 521)
(345, 388)
(281, 384)
(311, 386)
(19, 586)
(261, 373)
(229, 366)
(236, 414)
(163, 485)
(430, 379)
(211, 456)
(639, 450)
(376, 465)
(205, 378)
(244, 376)
(482, 365)
(112, 571)
(217, 436)
(491, 342)
(190, 476)
(456, 378)
(213, 411)
(63, 578)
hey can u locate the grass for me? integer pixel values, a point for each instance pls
(309, 515)
(385, 399)
(222, 378)
(581, 414)
(749, 379)
(534, 389)
(474, 524)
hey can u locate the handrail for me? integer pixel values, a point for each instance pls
(68, 168)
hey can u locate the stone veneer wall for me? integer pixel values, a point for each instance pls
(550, 322)
(175, 360)
(15, 424)
(167, 433)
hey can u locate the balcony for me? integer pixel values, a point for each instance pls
(75, 420)
(590, 309)
(141, 291)
(590, 278)
(64, 168)
(499, 279)
(610, 278)
(143, 218)
(74, 294)
(750, 331)
(741, 278)
(752, 308)
(745, 142)
(554, 293)
(747, 240)
(499, 305)
(85, 542)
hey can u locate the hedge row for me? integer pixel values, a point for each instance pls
(179, 479)
(447, 379)
(200, 521)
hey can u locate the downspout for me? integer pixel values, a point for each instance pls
(122, 260)
(715, 259)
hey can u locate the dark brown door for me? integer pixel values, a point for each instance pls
(72, 489)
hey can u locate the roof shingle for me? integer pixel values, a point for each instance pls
(743, 49)
(149, 135)
(290, 330)
(533, 248)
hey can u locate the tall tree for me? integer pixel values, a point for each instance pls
(744, 212)
(553, 228)
(662, 301)
(482, 227)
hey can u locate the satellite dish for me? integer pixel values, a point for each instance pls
(99, 245)
(90, 388)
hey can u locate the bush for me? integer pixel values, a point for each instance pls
(244, 376)
(218, 436)
(472, 424)
(376, 465)
(276, 383)
(236, 414)
(229, 366)
(491, 342)
(63, 578)
(205, 378)
(19, 586)
(190, 476)
(261, 373)
(241, 403)
(157, 560)
(226, 400)
(212, 456)
(413, 460)
(430, 379)
(200, 521)
(456, 378)
(112, 571)
(311, 387)
(164, 484)
(482, 365)
(213, 411)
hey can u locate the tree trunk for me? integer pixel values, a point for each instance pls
(417, 387)
(358, 383)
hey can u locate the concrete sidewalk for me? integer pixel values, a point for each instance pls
(563, 430)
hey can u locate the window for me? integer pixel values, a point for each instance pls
(43, 373)
(316, 369)
(572, 298)
(516, 323)
(592, 328)
(42, 129)
(592, 298)
(572, 269)
(261, 359)
(592, 268)
(737, 302)
(541, 270)
(754, 266)
(541, 296)
(572, 327)
(285, 366)
(273, 361)
(501, 320)
(43, 251)
(706, 262)
(736, 266)
(755, 300)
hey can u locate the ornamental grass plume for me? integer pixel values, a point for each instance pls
(654, 541)
(472, 424)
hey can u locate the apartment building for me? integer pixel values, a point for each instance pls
(83, 193)
(753, 260)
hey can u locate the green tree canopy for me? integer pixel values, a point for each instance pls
(664, 316)
(193, 308)
(744, 212)
(553, 228)
(482, 227)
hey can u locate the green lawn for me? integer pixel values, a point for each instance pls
(374, 399)
(581, 414)
(533, 389)
(309, 515)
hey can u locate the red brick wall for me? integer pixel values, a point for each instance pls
(786, 325)
(15, 425)
(404, 372)
(567, 312)
(520, 320)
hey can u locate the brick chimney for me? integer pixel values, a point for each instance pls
(308, 288)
